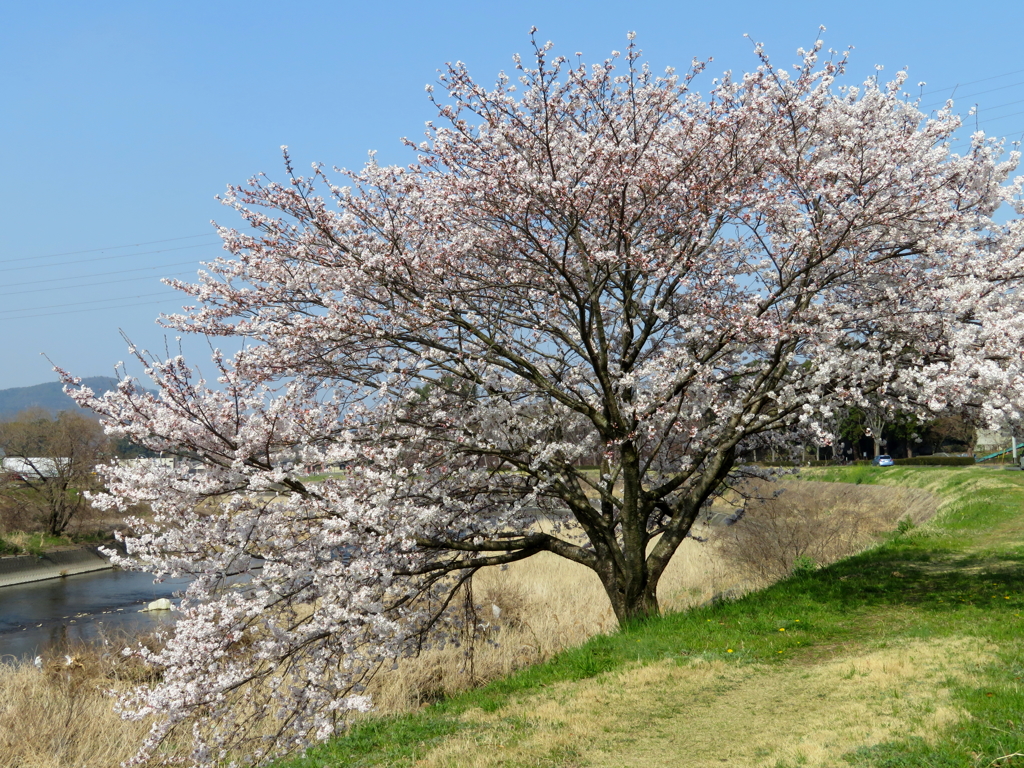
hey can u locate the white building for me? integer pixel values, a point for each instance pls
(32, 468)
(989, 441)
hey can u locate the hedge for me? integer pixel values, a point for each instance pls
(918, 461)
(945, 461)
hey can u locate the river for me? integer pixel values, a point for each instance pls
(37, 616)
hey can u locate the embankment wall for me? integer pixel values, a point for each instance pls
(23, 569)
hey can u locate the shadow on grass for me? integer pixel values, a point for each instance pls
(914, 587)
(915, 576)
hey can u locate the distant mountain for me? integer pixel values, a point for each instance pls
(50, 396)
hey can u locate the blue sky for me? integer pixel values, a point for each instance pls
(120, 121)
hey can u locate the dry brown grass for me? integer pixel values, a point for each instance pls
(532, 610)
(526, 613)
(61, 716)
(820, 521)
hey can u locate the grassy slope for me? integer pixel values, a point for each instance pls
(906, 655)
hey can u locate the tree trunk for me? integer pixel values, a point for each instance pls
(875, 420)
(59, 517)
(631, 587)
(635, 600)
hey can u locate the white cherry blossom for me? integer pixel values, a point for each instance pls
(583, 264)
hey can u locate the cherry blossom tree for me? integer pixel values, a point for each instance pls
(580, 260)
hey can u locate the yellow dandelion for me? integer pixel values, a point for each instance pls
(729, 651)
(782, 629)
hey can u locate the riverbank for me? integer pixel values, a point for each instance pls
(25, 569)
(908, 654)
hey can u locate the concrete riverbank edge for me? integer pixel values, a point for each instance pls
(24, 569)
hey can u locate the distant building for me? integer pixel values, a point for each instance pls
(162, 461)
(32, 468)
(990, 441)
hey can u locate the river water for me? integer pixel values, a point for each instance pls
(84, 607)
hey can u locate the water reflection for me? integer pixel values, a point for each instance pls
(84, 607)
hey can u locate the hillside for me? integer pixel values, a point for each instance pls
(50, 396)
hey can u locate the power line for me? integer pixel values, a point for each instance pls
(1001, 117)
(107, 248)
(975, 82)
(76, 311)
(79, 303)
(1004, 104)
(105, 258)
(993, 90)
(98, 274)
(86, 285)
(972, 95)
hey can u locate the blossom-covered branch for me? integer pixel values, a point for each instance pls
(582, 265)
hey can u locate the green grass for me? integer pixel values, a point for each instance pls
(39, 543)
(33, 543)
(6, 548)
(319, 477)
(962, 575)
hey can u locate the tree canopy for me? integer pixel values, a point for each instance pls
(50, 463)
(581, 260)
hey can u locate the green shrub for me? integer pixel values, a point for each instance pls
(926, 461)
(804, 463)
(803, 564)
(8, 548)
(904, 526)
(934, 461)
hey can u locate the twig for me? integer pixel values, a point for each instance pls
(1004, 757)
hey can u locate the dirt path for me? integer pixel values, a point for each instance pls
(708, 713)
